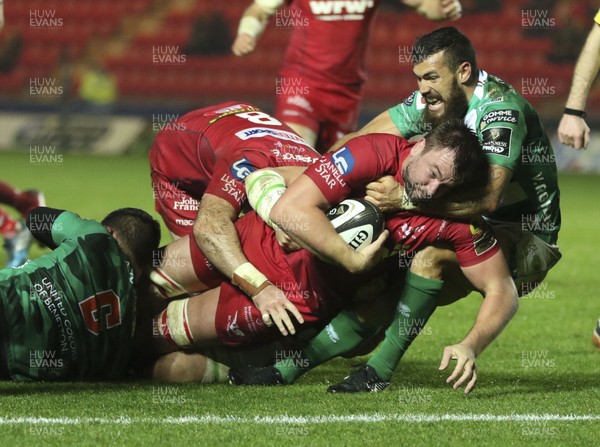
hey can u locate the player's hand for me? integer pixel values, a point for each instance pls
(274, 306)
(244, 44)
(285, 241)
(466, 368)
(451, 9)
(368, 257)
(573, 131)
(386, 193)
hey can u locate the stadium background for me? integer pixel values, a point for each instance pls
(165, 58)
(538, 382)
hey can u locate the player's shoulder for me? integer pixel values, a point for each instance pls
(496, 95)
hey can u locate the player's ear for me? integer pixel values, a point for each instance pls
(464, 72)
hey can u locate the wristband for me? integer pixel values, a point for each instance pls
(574, 112)
(251, 26)
(249, 279)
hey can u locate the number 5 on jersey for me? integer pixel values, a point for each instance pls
(101, 311)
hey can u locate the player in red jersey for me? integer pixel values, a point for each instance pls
(184, 158)
(227, 315)
(318, 90)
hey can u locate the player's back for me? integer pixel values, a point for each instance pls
(330, 40)
(70, 313)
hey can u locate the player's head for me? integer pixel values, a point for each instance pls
(445, 66)
(448, 157)
(137, 233)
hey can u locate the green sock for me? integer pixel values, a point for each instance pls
(343, 333)
(417, 302)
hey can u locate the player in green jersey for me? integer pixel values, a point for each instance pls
(70, 314)
(521, 203)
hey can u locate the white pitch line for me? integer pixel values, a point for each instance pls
(305, 420)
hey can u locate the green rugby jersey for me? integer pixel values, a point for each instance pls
(71, 313)
(512, 136)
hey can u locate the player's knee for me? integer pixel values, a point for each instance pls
(173, 326)
(430, 262)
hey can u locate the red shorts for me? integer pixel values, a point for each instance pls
(237, 319)
(331, 111)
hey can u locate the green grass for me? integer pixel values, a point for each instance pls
(556, 323)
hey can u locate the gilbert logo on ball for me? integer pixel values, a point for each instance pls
(357, 221)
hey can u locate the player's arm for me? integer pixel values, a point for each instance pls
(382, 123)
(216, 235)
(300, 212)
(500, 303)
(572, 129)
(252, 24)
(436, 9)
(52, 226)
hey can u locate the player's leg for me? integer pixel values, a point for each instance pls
(418, 300)
(181, 269)
(22, 201)
(187, 323)
(182, 366)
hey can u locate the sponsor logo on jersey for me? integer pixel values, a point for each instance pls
(232, 326)
(187, 204)
(343, 160)
(409, 101)
(260, 132)
(289, 154)
(184, 222)
(242, 168)
(496, 141)
(501, 116)
(483, 239)
(331, 10)
(233, 188)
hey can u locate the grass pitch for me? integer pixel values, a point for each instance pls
(538, 383)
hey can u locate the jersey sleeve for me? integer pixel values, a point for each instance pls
(52, 226)
(408, 116)
(502, 131)
(230, 171)
(473, 243)
(362, 160)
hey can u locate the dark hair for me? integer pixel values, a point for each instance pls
(139, 233)
(456, 46)
(471, 167)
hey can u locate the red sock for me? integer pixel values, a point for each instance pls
(9, 226)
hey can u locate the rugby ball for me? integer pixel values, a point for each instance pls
(357, 221)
